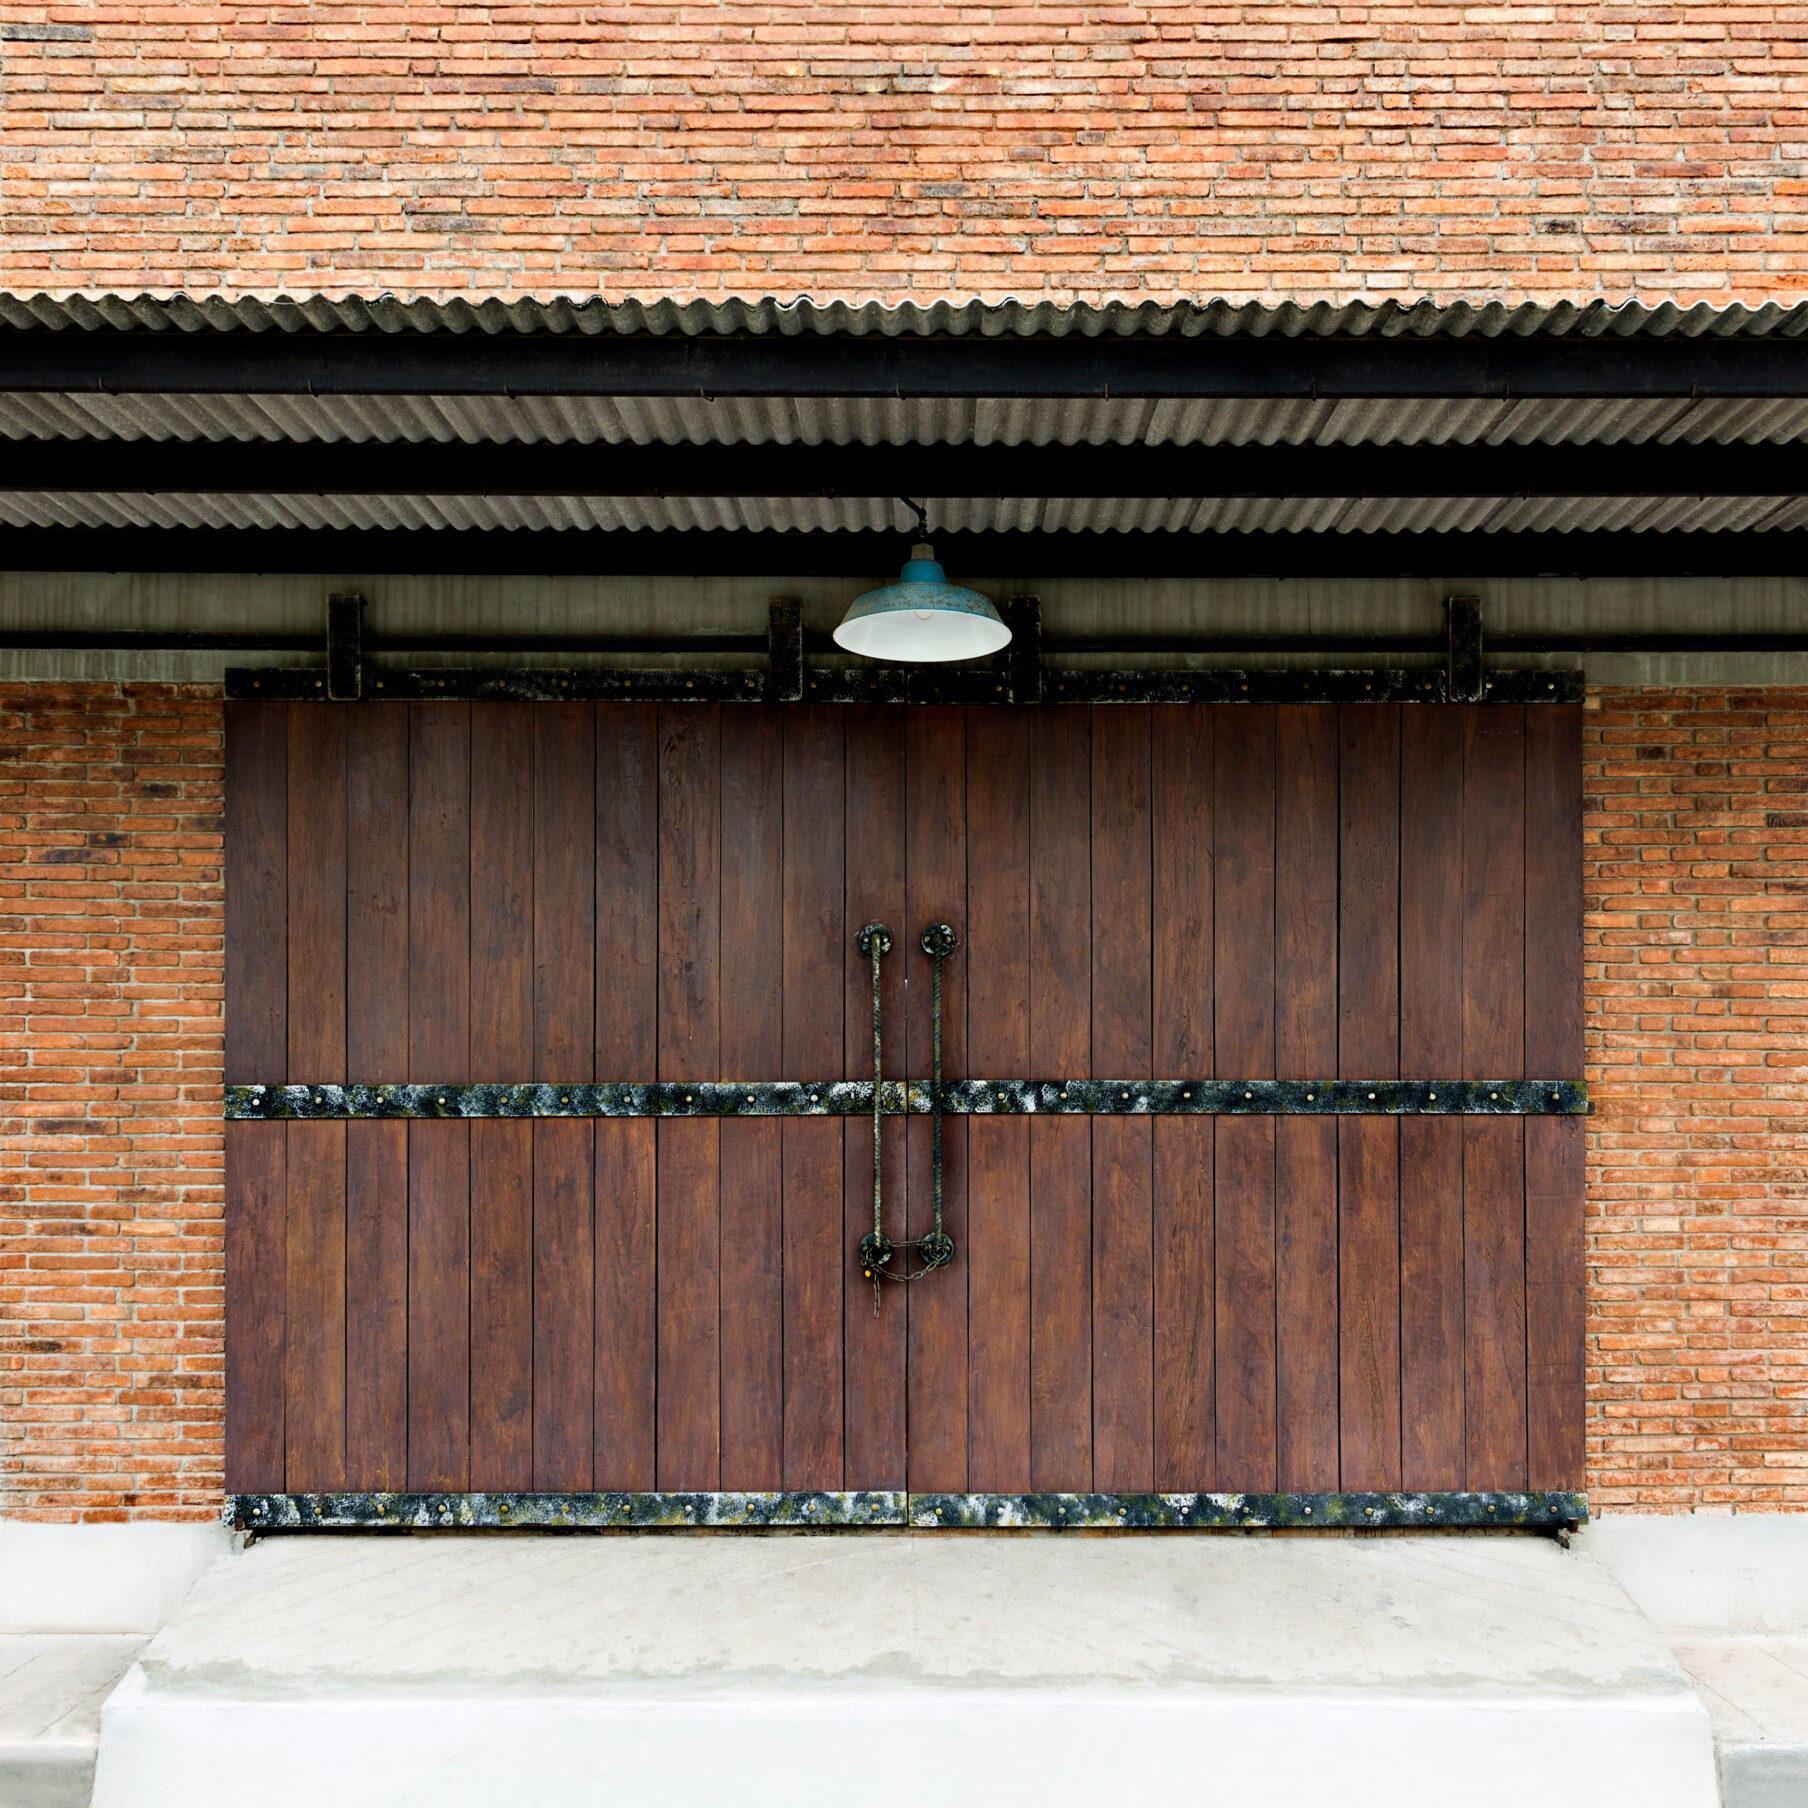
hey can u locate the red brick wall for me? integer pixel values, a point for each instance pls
(1697, 983)
(110, 1148)
(723, 147)
(1697, 827)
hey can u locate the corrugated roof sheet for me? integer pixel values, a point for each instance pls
(390, 313)
(948, 514)
(404, 420)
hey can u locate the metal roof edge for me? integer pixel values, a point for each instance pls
(396, 314)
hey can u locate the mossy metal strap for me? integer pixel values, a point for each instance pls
(973, 1098)
(1552, 1510)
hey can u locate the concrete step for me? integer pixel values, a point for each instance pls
(1756, 1691)
(985, 1669)
(52, 1686)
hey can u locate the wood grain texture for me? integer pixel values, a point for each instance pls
(1368, 1153)
(1060, 975)
(1305, 1191)
(256, 933)
(1243, 922)
(502, 1047)
(873, 1343)
(1184, 1255)
(1431, 1149)
(564, 1152)
(1494, 848)
(376, 1047)
(936, 884)
(998, 1149)
(627, 891)
(753, 1303)
(689, 1169)
(1123, 1306)
(439, 1048)
(314, 1355)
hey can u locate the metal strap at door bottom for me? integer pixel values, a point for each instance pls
(971, 1098)
(1549, 1510)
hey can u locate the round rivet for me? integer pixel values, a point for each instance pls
(1431, 1095)
(750, 1098)
(1124, 1095)
(442, 1098)
(1310, 1097)
(1249, 1095)
(688, 1099)
(1371, 1096)
(1186, 1095)
(1494, 1095)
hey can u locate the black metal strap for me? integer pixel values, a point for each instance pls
(974, 1098)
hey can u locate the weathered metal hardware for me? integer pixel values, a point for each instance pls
(1552, 1511)
(1463, 672)
(876, 1251)
(344, 648)
(936, 1250)
(852, 1098)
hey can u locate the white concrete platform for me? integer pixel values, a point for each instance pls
(51, 1689)
(1756, 1691)
(885, 1669)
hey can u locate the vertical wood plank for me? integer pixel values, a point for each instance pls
(1555, 1257)
(1368, 1149)
(1431, 1048)
(1123, 1329)
(998, 1149)
(1494, 851)
(256, 1050)
(873, 1342)
(816, 960)
(689, 1222)
(564, 1150)
(1305, 956)
(936, 884)
(1061, 1148)
(627, 984)
(376, 1050)
(1181, 805)
(1243, 830)
(502, 1048)
(752, 1049)
(314, 1416)
(439, 1038)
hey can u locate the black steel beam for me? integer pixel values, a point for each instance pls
(275, 363)
(857, 556)
(1254, 472)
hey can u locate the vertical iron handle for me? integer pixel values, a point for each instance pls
(936, 1250)
(874, 941)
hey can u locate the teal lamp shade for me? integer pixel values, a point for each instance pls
(922, 618)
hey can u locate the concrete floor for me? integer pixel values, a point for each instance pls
(52, 1686)
(983, 1670)
(1756, 1691)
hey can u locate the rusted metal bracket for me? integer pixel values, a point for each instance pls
(785, 651)
(344, 648)
(1464, 680)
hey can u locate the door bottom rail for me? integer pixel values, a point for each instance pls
(1544, 1510)
(972, 1098)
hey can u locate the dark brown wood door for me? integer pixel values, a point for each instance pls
(464, 892)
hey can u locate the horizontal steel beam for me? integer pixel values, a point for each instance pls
(975, 1098)
(278, 363)
(1547, 1510)
(857, 557)
(896, 684)
(827, 471)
